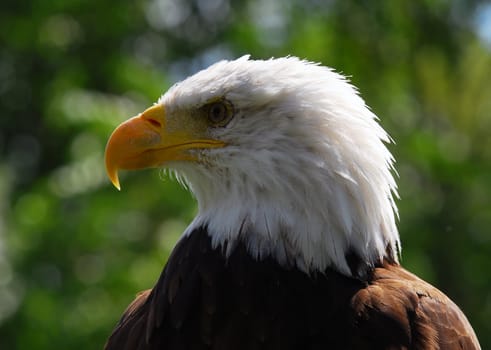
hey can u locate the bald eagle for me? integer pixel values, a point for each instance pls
(295, 244)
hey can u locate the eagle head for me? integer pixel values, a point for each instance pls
(282, 154)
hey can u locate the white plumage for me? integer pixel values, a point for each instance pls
(312, 178)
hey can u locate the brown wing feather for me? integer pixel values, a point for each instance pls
(400, 305)
(130, 330)
(203, 300)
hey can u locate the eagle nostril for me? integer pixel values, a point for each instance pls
(154, 122)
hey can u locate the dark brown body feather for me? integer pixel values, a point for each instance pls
(205, 301)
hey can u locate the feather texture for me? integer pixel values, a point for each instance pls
(305, 164)
(204, 300)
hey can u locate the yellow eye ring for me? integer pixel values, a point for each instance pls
(219, 113)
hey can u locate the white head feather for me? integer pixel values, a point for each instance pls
(305, 177)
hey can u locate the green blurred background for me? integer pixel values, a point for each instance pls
(74, 251)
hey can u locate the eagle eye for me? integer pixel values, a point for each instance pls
(219, 113)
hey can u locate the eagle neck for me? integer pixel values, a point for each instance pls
(311, 223)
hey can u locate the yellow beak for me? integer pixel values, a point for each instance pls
(144, 141)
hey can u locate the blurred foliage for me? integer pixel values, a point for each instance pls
(74, 251)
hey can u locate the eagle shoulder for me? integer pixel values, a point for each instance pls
(410, 313)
